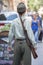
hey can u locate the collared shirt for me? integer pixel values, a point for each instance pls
(17, 29)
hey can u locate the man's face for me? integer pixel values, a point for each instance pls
(1, 7)
(34, 16)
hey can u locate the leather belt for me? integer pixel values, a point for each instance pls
(20, 39)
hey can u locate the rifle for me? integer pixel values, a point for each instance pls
(29, 43)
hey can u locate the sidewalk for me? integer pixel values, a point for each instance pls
(39, 60)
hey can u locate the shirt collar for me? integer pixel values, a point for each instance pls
(23, 16)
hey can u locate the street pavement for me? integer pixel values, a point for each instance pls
(39, 60)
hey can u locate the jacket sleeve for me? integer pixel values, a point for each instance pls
(27, 25)
(11, 33)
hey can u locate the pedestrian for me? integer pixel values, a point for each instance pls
(2, 16)
(1, 6)
(21, 49)
(35, 26)
(40, 21)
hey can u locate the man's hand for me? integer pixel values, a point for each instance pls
(9, 48)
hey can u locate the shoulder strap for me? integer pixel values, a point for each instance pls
(25, 31)
(29, 43)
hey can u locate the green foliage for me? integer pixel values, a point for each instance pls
(5, 27)
(34, 4)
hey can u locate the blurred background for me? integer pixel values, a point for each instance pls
(30, 4)
(8, 12)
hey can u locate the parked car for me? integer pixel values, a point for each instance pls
(10, 15)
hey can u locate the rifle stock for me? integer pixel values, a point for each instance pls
(34, 53)
(29, 43)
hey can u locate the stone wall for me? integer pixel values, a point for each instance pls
(12, 4)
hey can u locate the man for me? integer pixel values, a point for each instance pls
(40, 21)
(39, 18)
(2, 16)
(1, 6)
(21, 49)
(35, 26)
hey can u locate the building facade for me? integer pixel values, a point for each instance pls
(12, 4)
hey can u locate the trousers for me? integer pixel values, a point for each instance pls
(22, 53)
